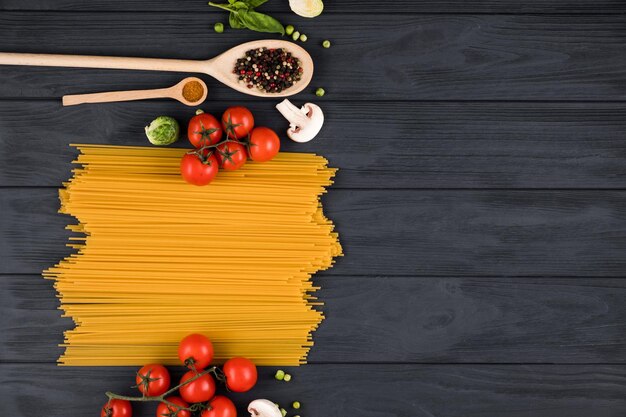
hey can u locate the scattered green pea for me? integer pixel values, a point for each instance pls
(295, 35)
(303, 38)
(296, 405)
(283, 412)
(326, 44)
(219, 27)
(289, 30)
(320, 92)
(280, 375)
(287, 378)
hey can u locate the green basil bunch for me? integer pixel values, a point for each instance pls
(243, 15)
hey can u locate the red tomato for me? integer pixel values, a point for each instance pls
(198, 172)
(237, 122)
(117, 408)
(204, 129)
(195, 351)
(220, 407)
(240, 374)
(232, 156)
(153, 380)
(199, 390)
(166, 410)
(263, 145)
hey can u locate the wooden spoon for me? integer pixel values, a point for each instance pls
(175, 92)
(221, 67)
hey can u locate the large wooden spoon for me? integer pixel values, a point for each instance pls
(221, 67)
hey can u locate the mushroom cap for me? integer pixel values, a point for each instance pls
(264, 408)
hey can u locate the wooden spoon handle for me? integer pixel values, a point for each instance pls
(87, 61)
(111, 96)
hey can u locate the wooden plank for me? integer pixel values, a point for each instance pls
(392, 57)
(347, 390)
(344, 6)
(404, 232)
(425, 145)
(399, 319)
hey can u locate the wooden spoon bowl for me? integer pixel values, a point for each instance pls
(221, 67)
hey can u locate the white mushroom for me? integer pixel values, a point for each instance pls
(264, 408)
(304, 123)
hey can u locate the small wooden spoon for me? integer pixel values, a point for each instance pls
(221, 67)
(175, 92)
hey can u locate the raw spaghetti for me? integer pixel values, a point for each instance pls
(157, 259)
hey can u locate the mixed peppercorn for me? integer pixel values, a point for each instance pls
(269, 70)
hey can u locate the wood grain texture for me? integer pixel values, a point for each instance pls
(396, 232)
(440, 57)
(343, 6)
(399, 320)
(427, 145)
(349, 390)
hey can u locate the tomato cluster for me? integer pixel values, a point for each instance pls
(225, 144)
(197, 387)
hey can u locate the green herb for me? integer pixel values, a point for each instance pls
(219, 27)
(303, 38)
(320, 92)
(289, 30)
(295, 35)
(326, 44)
(243, 16)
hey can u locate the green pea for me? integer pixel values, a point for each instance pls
(218, 27)
(287, 378)
(280, 374)
(320, 92)
(289, 30)
(326, 44)
(296, 405)
(295, 35)
(303, 38)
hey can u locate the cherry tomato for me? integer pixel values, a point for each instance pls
(166, 410)
(195, 351)
(198, 390)
(232, 156)
(117, 408)
(237, 122)
(198, 172)
(220, 407)
(240, 374)
(263, 145)
(153, 380)
(204, 129)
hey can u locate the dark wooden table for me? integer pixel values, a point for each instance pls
(481, 198)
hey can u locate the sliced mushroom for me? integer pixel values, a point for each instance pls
(264, 408)
(304, 123)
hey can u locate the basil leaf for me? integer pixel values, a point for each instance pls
(255, 3)
(261, 22)
(240, 5)
(224, 6)
(235, 21)
(232, 1)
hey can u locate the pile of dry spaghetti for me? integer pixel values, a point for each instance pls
(158, 259)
